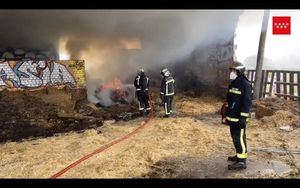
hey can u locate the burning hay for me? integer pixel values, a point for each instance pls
(112, 93)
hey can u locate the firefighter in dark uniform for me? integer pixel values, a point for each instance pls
(167, 91)
(141, 84)
(239, 103)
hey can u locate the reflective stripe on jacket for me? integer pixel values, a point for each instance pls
(239, 99)
(167, 86)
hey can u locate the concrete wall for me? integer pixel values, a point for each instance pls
(15, 75)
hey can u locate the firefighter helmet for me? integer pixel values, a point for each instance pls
(239, 67)
(141, 71)
(165, 72)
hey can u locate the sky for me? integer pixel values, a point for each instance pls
(281, 51)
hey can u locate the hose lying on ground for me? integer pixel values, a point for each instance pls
(107, 146)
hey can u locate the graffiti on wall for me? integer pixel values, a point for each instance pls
(35, 74)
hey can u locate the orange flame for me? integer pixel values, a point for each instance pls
(115, 84)
(117, 87)
(130, 43)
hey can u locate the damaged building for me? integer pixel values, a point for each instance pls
(205, 69)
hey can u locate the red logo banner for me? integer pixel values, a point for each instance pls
(281, 25)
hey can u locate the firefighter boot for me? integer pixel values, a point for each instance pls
(232, 158)
(147, 112)
(238, 165)
(142, 113)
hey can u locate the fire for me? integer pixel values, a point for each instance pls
(115, 84)
(117, 88)
(130, 43)
(63, 52)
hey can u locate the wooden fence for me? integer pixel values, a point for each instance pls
(283, 84)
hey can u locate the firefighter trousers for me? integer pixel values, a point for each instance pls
(168, 100)
(143, 99)
(238, 135)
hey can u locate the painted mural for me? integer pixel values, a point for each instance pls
(36, 74)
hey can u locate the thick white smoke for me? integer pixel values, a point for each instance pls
(114, 43)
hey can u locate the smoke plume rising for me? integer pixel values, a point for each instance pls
(115, 43)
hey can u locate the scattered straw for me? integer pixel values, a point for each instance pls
(173, 147)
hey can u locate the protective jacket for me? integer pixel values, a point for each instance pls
(239, 99)
(167, 86)
(141, 83)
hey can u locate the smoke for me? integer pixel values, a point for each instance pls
(114, 43)
(109, 96)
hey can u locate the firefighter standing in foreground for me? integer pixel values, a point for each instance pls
(167, 91)
(141, 84)
(239, 100)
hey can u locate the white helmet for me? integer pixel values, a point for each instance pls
(141, 71)
(165, 72)
(238, 66)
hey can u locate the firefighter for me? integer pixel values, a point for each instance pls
(141, 84)
(167, 91)
(239, 103)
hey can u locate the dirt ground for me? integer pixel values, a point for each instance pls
(192, 144)
(48, 111)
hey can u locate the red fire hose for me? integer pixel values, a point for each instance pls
(107, 146)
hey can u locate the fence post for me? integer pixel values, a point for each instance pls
(284, 85)
(272, 81)
(260, 55)
(261, 89)
(292, 84)
(278, 84)
(298, 88)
